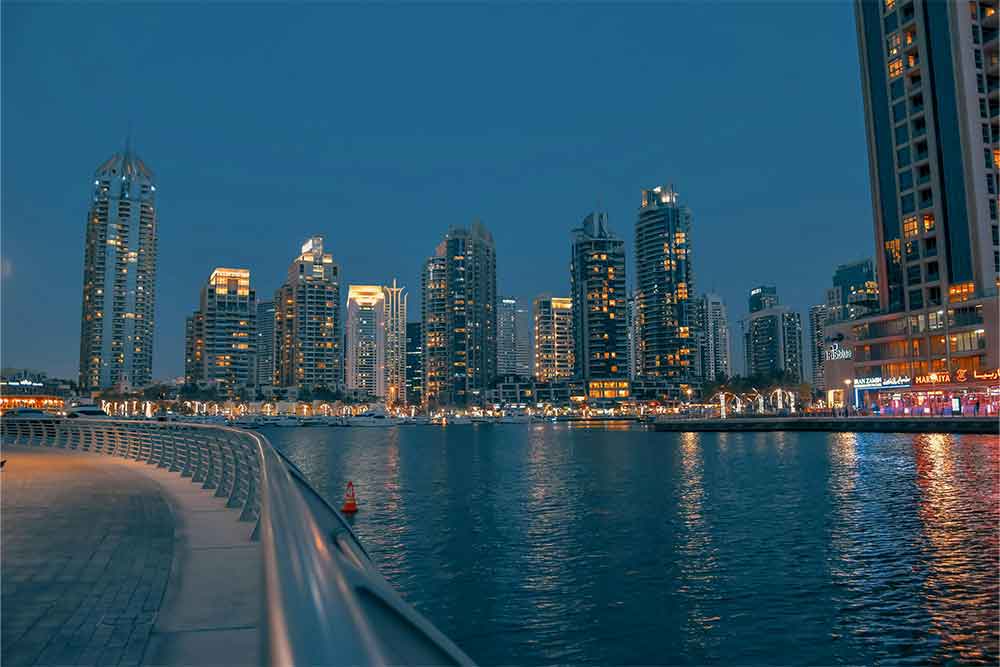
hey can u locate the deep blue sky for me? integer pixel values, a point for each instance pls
(380, 126)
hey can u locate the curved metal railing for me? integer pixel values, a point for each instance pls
(325, 603)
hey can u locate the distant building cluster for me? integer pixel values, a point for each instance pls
(913, 329)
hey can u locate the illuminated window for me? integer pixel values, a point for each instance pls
(928, 222)
(961, 292)
(889, 4)
(910, 228)
(892, 45)
(895, 68)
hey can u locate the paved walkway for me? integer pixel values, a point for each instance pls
(112, 562)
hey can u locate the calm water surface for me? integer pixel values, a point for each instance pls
(543, 544)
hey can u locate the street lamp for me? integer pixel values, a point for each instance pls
(847, 397)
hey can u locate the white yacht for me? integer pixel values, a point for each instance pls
(514, 418)
(376, 417)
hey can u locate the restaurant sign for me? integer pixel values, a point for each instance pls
(959, 376)
(835, 353)
(878, 382)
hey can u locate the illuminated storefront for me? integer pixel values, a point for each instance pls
(969, 393)
(37, 401)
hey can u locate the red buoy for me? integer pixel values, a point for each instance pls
(350, 501)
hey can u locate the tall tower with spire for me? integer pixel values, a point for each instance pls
(119, 275)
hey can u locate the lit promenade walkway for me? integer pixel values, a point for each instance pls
(106, 561)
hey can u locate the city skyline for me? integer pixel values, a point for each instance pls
(327, 193)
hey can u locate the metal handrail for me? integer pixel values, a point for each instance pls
(325, 602)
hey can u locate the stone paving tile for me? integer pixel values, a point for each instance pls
(87, 546)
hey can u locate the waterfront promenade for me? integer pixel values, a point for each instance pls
(136, 542)
(957, 425)
(108, 561)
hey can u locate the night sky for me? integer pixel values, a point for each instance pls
(378, 127)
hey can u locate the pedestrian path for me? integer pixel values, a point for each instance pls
(113, 562)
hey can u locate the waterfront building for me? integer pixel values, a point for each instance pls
(772, 337)
(599, 301)
(512, 355)
(818, 316)
(553, 338)
(665, 308)
(365, 346)
(307, 326)
(931, 114)
(395, 344)
(854, 292)
(458, 308)
(713, 327)
(119, 275)
(265, 343)
(222, 334)
(414, 363)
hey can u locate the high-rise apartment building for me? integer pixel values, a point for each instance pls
(265, 343)
(599, 296)
(119, 275)
(929, 78)
(395, 298)
(854, 292)
(222, 334)
(554, 354)
(510, 338)
(365, 346)
(307, 321)
(664, 293)
(772, 337)
(762, 297)
(434, 331)
(713, 326)
(634, 361)
(459, 289)
(818, 316)
(414, 363)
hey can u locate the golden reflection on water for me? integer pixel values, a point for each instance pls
(699, 564)
(843, 484)
(961, 603)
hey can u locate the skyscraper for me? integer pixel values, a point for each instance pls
(364, 353)
(414, 363)
(634, 359)
(664, 291)
(395, 344)
(818, 316)
(119, 275)
(460, 319)
(223, 333)
(434, 332)
(929, 80)
(854, 292)
(554, 356)
(599, 295)
(772, 338)
(307, 321)
(265, 343)
(508, 338)
(764, 296)
(714, 329)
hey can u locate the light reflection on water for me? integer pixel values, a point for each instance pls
(536, 544)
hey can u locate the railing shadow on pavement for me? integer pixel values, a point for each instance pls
(324, 600)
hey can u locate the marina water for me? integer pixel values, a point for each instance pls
(531, 544)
